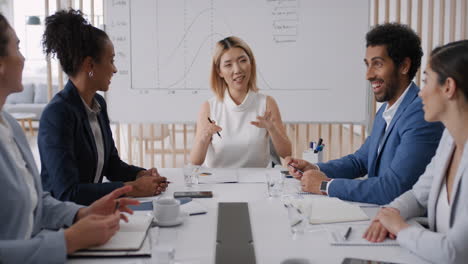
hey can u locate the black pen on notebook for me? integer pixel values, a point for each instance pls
(348, 232)
(209, 120)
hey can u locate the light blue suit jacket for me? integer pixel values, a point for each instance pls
(407, 147)
(451, 247)
(43, 247)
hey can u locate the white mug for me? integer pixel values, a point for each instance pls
(166, 210)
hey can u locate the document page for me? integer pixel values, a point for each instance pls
(130, 236)
(325, 210)
(207, 175)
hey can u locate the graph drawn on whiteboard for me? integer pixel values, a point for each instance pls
(170, 42)
(309, 56)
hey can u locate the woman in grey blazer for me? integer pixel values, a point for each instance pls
(442, 191)
(28, 214)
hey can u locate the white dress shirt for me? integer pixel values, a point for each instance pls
(390, 112)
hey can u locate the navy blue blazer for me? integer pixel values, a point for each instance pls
(407, 147)
(68, 151)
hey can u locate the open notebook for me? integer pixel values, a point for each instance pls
(144, 251)
(325, 210)
(130, 237)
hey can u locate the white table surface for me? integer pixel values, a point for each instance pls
(194, 240)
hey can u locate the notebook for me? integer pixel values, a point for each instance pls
(336, 237)
(144, 251)
(131, 235)
(324, 210)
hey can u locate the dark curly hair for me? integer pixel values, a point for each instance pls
(71, 38)
(4, 26)
(451, 60)
(401, 42)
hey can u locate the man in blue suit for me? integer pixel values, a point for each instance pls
(401, 144)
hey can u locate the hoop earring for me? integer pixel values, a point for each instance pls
(91, 74)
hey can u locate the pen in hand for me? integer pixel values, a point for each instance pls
(348, 232)
(298, 170)
(117, 204)
(209, 120)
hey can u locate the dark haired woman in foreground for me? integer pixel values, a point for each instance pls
(442, 191)
(75, 138)
(27, 212)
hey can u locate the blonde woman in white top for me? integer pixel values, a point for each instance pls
(234, 128)
(441, 192)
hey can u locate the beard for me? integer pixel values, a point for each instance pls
(390, 91)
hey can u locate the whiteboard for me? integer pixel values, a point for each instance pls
(309, 56)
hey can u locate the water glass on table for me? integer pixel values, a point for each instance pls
(275, 182)
(191, 174)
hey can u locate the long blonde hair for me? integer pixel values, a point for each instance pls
(218, 84)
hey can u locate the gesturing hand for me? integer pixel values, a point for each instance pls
(92, 230)
(266, 121)
(106, 205)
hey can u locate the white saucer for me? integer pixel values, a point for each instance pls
(179, 220)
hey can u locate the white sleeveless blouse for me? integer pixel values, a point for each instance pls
(242, 145)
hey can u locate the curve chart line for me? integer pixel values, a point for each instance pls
(186, 32)
(193, 60)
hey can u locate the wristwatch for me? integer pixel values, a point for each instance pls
(323, 187)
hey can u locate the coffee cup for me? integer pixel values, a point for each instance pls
(166, 210)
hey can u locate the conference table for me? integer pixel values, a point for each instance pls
(194, 241)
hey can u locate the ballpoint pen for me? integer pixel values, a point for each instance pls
(348, 232)
(209, 120)
(298, 170)
(117, 204)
